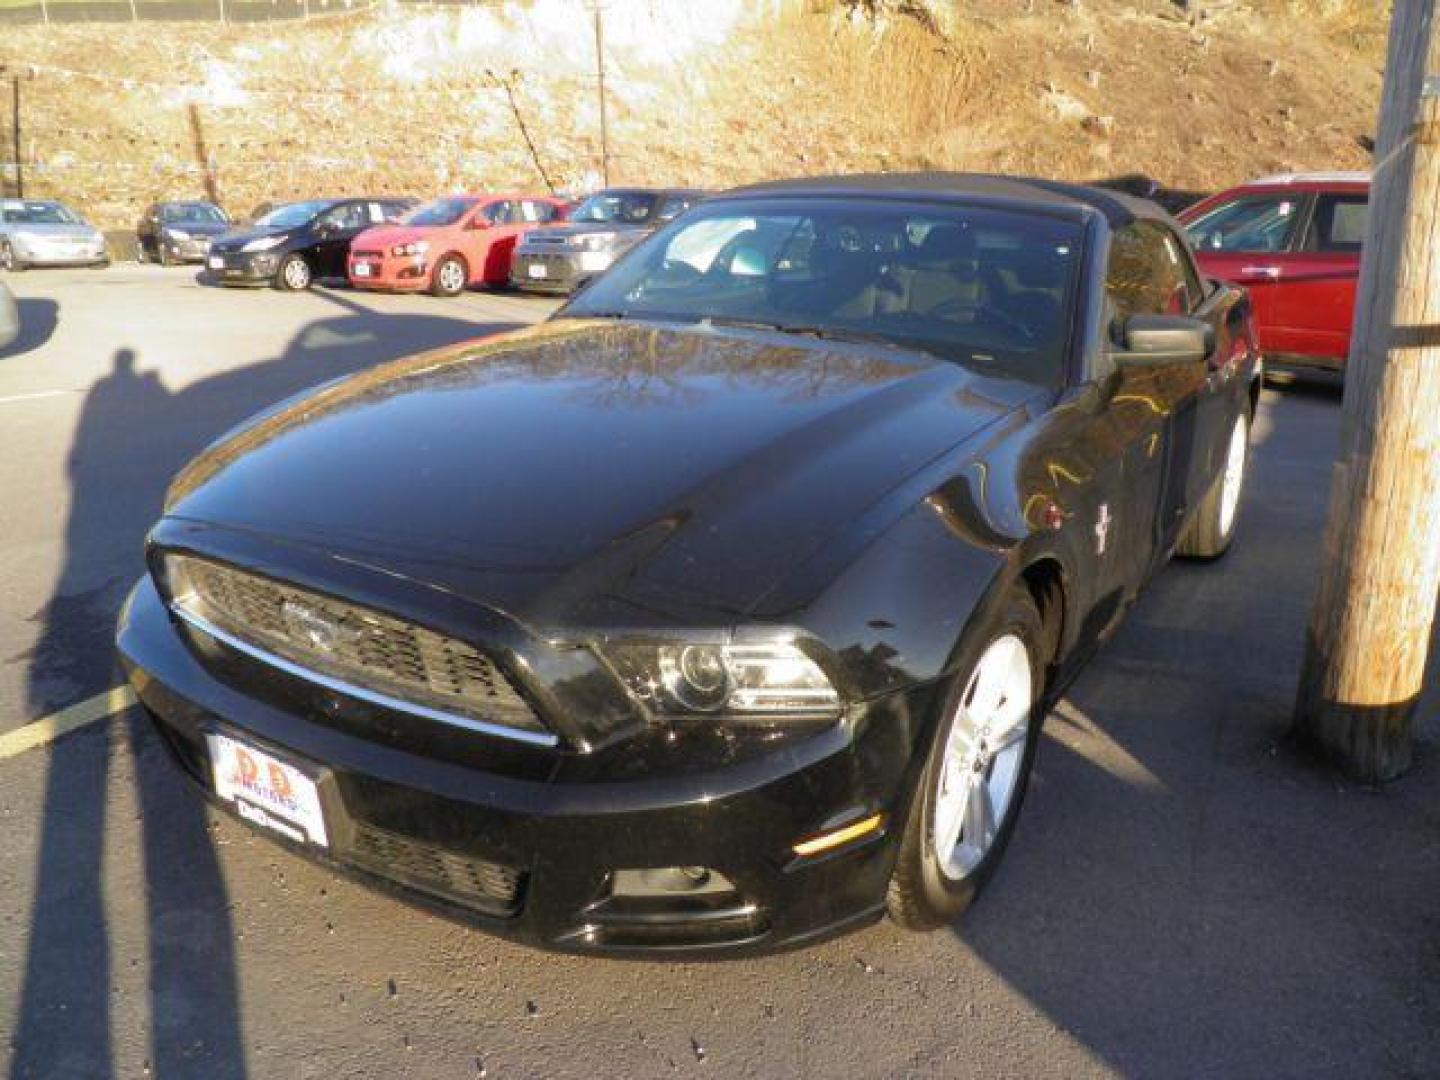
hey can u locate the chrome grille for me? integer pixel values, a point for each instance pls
(434, 870)
(334, 638)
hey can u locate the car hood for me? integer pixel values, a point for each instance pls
(550, 471)
(388, 235)
(233, 241)
(60, 230)
(582, 229)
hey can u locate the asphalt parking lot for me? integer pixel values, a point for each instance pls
(1186, 895)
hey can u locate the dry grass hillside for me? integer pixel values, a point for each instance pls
(713, 93)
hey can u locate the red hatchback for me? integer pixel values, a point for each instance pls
(448, 244)
(1294, 242)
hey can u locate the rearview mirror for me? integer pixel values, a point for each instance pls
(1166, 339)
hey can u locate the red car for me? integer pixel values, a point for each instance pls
(1293, 241)
(450, 243)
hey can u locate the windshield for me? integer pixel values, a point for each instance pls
(292, 216)
(987, 288)
(624, 207)
(440, 212)
(193, 213)
(39, 213)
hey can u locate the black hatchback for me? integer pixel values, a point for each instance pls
(175, 232)
(296, 243)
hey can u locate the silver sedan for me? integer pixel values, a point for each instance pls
(42, 232)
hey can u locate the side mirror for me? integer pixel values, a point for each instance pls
(478, 223)
(1166, 339)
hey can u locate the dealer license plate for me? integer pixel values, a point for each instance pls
(362, 269)
(215, 262)
(267, 791)
(539, 270)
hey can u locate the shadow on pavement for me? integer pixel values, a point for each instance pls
(38, 319)
(1187, 894)
(133, 434)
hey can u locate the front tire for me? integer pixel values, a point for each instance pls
(8, 259)
(1212, 528)
(976, 773)
(449, 276)
(293, 274)
(162, 256)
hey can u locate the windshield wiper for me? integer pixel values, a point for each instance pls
(822, 333)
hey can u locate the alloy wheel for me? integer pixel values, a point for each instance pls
(980, 772)
(297, 273)
(451, 275)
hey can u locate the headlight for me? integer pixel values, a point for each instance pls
(772, 679)
(265, 243)
(596, 241)
(177, 234)
(419, 247)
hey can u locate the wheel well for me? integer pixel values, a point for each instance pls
(1045, 581)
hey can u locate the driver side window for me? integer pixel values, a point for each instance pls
(349, 216)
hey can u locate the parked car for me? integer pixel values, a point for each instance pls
(448, 244)
(722, 611)
(175, 232)
(298, 242)
(600, 230)
(1294, 242)
(9, 317)
(43, 232)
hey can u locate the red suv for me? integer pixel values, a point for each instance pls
(450, 243)
(1294, 242)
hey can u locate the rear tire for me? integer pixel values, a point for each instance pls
(449, 276)
(978, 767)
(293, 274)
(1211, 530)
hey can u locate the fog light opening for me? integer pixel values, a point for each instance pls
(838, 837)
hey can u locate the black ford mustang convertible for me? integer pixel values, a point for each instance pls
(721, 611)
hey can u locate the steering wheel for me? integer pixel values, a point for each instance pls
(1008, 321)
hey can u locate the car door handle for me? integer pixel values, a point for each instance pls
(1260, 273)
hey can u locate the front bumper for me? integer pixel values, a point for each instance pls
(556, 270)
(34, 252)
(389, 273)
(192, 250)
(444, 833)
(242, 267)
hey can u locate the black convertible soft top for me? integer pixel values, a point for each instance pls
(1118, 208)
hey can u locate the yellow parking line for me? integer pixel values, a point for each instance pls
(46, 730)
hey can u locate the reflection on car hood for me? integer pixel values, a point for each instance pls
(387, 236)
(543, 470)
(233, 241)
(50, 230)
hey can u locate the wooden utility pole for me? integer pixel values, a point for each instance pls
(600, 85)
(15, 135)
(1369, 632)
